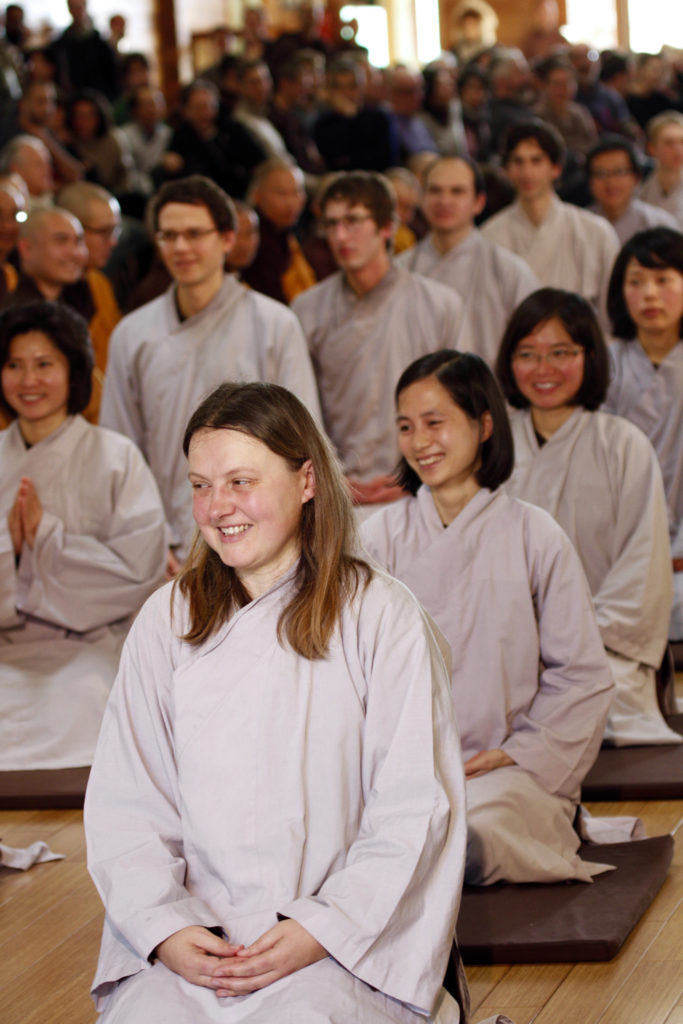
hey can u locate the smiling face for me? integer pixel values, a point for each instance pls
(193, 262)
(54, 252)
(438, 440)
(247, 502)
(35, 381)
(531, 171)
(654, 297)
(548, 366)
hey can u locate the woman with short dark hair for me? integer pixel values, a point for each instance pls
(506, 588)
(275, 816)
(81, 543)
(598, 476)
(645, 304)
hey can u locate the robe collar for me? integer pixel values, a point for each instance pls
(229, 293)
(474, 507)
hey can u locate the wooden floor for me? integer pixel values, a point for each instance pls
(50, 921)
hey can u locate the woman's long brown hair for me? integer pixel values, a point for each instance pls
(328, 574)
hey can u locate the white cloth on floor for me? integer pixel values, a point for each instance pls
(23, 858)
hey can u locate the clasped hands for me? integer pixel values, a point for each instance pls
(202, 958)
(486, 761)
(25, 515)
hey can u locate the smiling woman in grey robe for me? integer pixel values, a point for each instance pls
(276, 813)
(598, 476)
(530, 683)
(645, 304)
(81, 544)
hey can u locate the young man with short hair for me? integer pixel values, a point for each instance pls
(206, 328)
(664, 187)
(490, 280)
(565, 246)
(364, 325)
(613, 168)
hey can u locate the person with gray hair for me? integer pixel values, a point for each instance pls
(28, 157)
(664, 187)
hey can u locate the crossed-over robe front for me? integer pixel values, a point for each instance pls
(237, 781)
(652, 398)
(491, 280)
(161, 367)
(360, 346)
(598, 476)
(66, 605)
(530, 676)
(638, 216)
(571, 248)
(672, 201)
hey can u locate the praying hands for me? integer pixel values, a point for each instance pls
(25, 515)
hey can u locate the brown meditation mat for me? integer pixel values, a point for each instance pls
(638, 773)
(43, 789)
(564, 922)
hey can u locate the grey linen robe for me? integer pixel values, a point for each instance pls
(237, 781)
(638, 216)
(530, 675)
(359, 348)
(491, 280)
(65, 608)
(598, 476)
(160, 368)
(652, 192)
(572, 248)
(652, 398)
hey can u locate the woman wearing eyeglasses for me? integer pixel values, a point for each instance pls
(598, 476)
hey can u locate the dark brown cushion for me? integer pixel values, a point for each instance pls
(638, 773)
(45, 789)
(568, 921)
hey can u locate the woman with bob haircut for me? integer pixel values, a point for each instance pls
(645, 304)
(276, 813)
(81, 543)
(598, 477)
(505, 586)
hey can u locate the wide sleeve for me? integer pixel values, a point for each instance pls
(8, 610)
(388, 915)
(120, 409)
(558, 736)
(82, 580)
(633, 602)
(132, 821)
